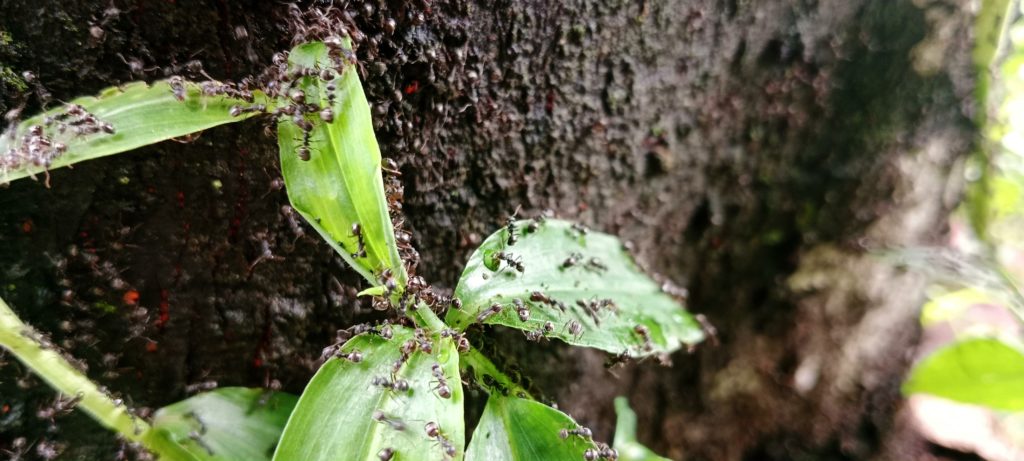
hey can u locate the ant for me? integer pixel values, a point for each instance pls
(510, 227)
(645, 335)
(575, 329)
(307, 130)
(357, 232)
(603, 451)
(488, 313)
(395, 424)
(595, 265)
(580, 229)
(521, 309)
(542, 333)
(398, 385)
(177, 84)
(385, 454)
(442, 385)
(573, 259)
(537, 296)
(579, 431)
(511, 260)
(461, 342)
(237, 111)
(354, 356)
(434, 432)
(708, 328)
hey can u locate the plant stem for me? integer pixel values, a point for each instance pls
(28, 346)
(481, 365)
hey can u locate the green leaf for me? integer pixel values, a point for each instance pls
(231, 423)
(981, 371)
(140, 114)
(344, 415)
(514, 429)
(603, 273)
(341, 184)
(625, 435)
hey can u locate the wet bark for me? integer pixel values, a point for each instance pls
(751, 151)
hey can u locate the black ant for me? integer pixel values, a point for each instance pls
(573, 259)
(395, 424)
(488, 313)
(424, 342)
(237, 111)
(385, 454)
(397, 385)
(645, 335)
(307, 129)
(461, 342)
(580, 229)
(442, 385)
(575, 329)
(510, 227)
(708, 328)
(357, 232)
(434, 432)
(595, 265)
(542, 333)
(177, 84)
(603, 451)
(521, 309)
(537, 296)
(511, 260)
(579, 431)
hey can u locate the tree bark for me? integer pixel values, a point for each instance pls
(751, 151)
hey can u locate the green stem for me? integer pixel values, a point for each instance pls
(480, 364)
(483, 366)
(46, 362)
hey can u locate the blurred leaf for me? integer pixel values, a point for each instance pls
(949, 306)
(625, 435)
(980, 371)
(231, 423)
(341, 184)
(140, 115)
(514, 429)
(335, 417)
(604, 274)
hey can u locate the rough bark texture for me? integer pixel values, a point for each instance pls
(750, 150)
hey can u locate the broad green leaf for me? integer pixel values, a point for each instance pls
(604, 273)
(981, 371)
(231, 423)
(344, 415)
(139, 113)
(625, 435)
(341, 184)
(514, 429)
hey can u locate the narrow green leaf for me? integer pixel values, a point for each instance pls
(341, 184)
(514, 429)
(139, 114)
(231, 423)
(625, 435)
(980, 371)
(344, 415)
(631, 305)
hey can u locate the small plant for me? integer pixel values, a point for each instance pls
(392, 390)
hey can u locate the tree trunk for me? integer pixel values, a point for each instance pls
(751, 151)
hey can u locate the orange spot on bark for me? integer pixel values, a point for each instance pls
(26, 226)
(151, 346)
(131, 297)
